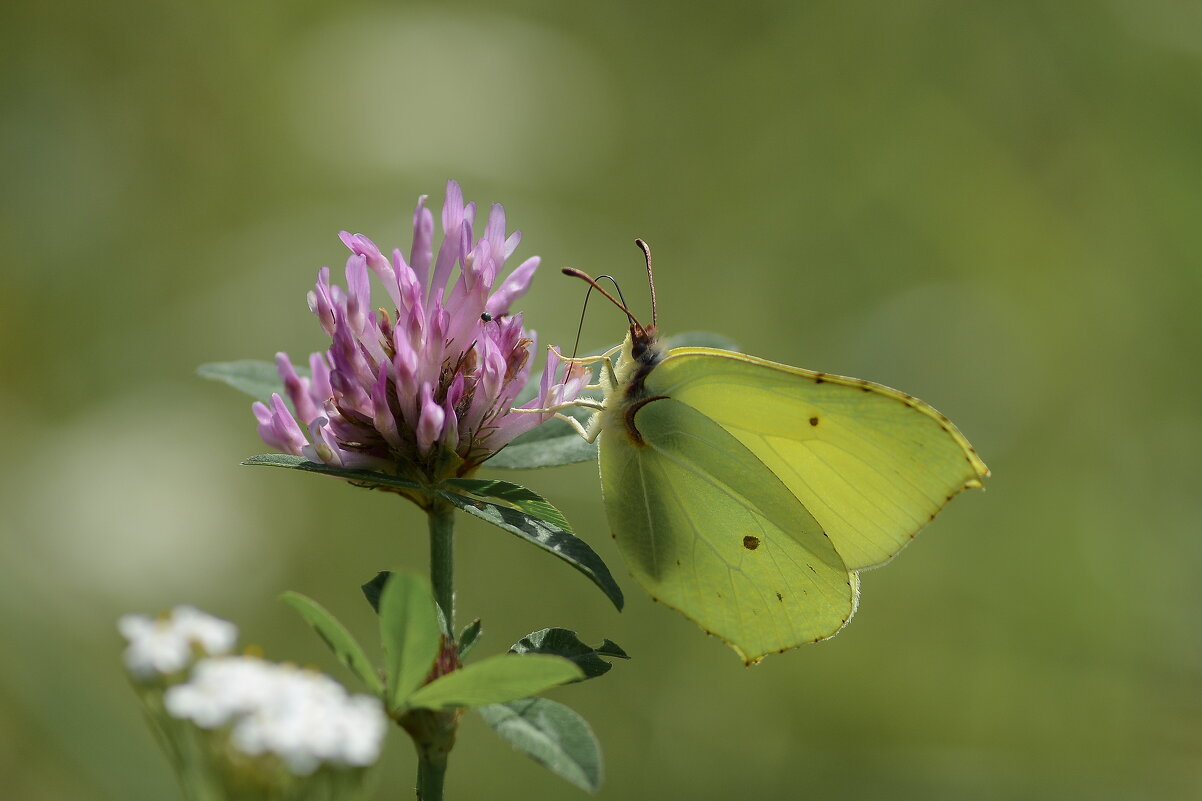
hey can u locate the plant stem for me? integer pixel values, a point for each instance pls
(433, 731)
(442, 563)
(430, 773)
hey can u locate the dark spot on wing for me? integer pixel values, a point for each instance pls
(813, 421)
(780, 597)
(818, 379)
(751, 543)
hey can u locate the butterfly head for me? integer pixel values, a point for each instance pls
(644, 343)
(640, 354)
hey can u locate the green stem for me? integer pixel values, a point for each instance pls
(430, 773)
(442, 562)
(433, 731)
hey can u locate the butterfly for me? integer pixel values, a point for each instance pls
(748, 494)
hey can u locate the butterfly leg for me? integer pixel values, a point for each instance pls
(574, 423)
(604, 359)
(610, 376)
(584, 403)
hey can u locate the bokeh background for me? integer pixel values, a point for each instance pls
(994, 206)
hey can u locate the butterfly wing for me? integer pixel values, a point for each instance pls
(871, 464)
(707, 529)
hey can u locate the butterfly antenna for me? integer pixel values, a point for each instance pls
(588, 279)
(643, 246)
(584, 308)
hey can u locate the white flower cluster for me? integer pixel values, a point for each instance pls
(304, 717)
(165, 645)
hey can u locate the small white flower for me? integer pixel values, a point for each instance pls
(165, 645)
(302, 716)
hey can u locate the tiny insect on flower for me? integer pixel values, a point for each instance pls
(428, 391)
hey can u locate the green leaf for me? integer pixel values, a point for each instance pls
(373, 589)
(542, 525)
(565, 643)
(495, 680)
(336, 637)
(409, 629)
(552, 735)
(255, 377)
(548, 536)
(360, 478)
(512, 495)
(471, 633)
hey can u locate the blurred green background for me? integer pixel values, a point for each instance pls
(993, 206)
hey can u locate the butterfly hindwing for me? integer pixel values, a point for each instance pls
(871, 464)
(708, 529)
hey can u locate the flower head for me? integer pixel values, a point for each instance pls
(303, 717)
(167, 644)
(426, 391)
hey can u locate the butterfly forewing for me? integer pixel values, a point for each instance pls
(707, 529)
(871, 464)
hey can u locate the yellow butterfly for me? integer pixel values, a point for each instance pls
(747, 494)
